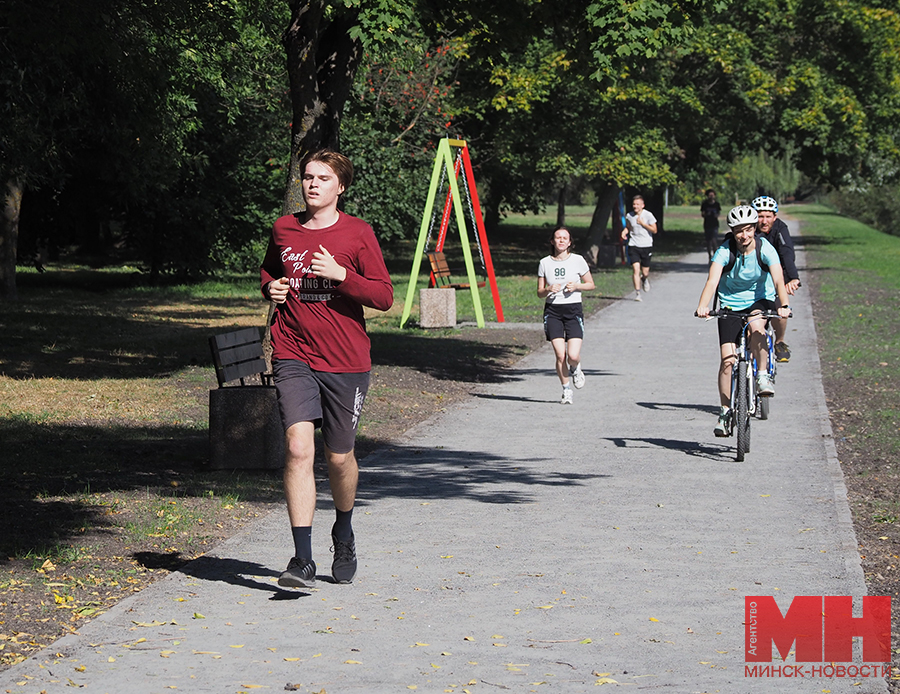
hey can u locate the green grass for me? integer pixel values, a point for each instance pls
(856, 271)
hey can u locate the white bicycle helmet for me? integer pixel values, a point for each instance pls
(742, 214)
(764, 202)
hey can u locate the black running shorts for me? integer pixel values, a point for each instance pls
(563, 321)
(331, 401)
(640, 254)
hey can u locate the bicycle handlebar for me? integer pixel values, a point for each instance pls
(724, 313)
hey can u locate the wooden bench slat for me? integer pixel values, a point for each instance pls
(237, 337)
(232, 372)
(233, 355)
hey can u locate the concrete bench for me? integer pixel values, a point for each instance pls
(245, 428)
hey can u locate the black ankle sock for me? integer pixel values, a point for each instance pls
(302, 541)
(342, 528)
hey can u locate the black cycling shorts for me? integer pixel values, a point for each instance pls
(730, 327)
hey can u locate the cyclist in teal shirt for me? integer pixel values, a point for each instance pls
(743, 285)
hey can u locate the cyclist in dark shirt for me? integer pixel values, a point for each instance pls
(776, 232)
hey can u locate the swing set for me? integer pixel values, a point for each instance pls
(444, 163)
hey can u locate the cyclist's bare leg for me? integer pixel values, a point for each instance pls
(562, 369)
(729, 358)
(779, 325)
(759, 345)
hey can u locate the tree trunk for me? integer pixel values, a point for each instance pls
(561, 206)
(9, 239)
(322, 62)
(597, 233)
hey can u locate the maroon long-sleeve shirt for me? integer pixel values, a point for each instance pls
(322, 322)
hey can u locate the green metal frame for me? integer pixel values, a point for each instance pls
(444, 157)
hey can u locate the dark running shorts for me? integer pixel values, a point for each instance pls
(637, 254)
(330, 401)
(563, 320)
(730, 328)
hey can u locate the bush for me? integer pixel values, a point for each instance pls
(877, 206)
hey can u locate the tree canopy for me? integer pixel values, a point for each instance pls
(172, 129)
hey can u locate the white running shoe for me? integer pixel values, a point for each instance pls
(645, 284)
(764, 386)
(637, 296)
(577, 377)
(566, 398)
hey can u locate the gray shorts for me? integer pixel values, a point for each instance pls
(331, 401)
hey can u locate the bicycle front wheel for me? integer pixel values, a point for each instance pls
(742, 411)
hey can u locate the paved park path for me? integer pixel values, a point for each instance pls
(514, 544)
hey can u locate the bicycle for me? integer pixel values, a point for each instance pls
(745, 401)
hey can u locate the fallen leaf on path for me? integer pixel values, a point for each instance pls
(605, 680)
(154, 623)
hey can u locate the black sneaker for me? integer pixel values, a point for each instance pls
(343, 568)
(782, 352)
(300, 573)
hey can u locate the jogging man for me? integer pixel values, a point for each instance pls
(776, 232)
(746, 287)
(640, 226)
(321, 267)
(710, 209)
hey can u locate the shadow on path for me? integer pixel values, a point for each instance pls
(694, 449)
(233, 571)
(440, 473)
(664, 406)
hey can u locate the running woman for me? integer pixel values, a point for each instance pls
(562, 276)
(745, 287)
(321, 267)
